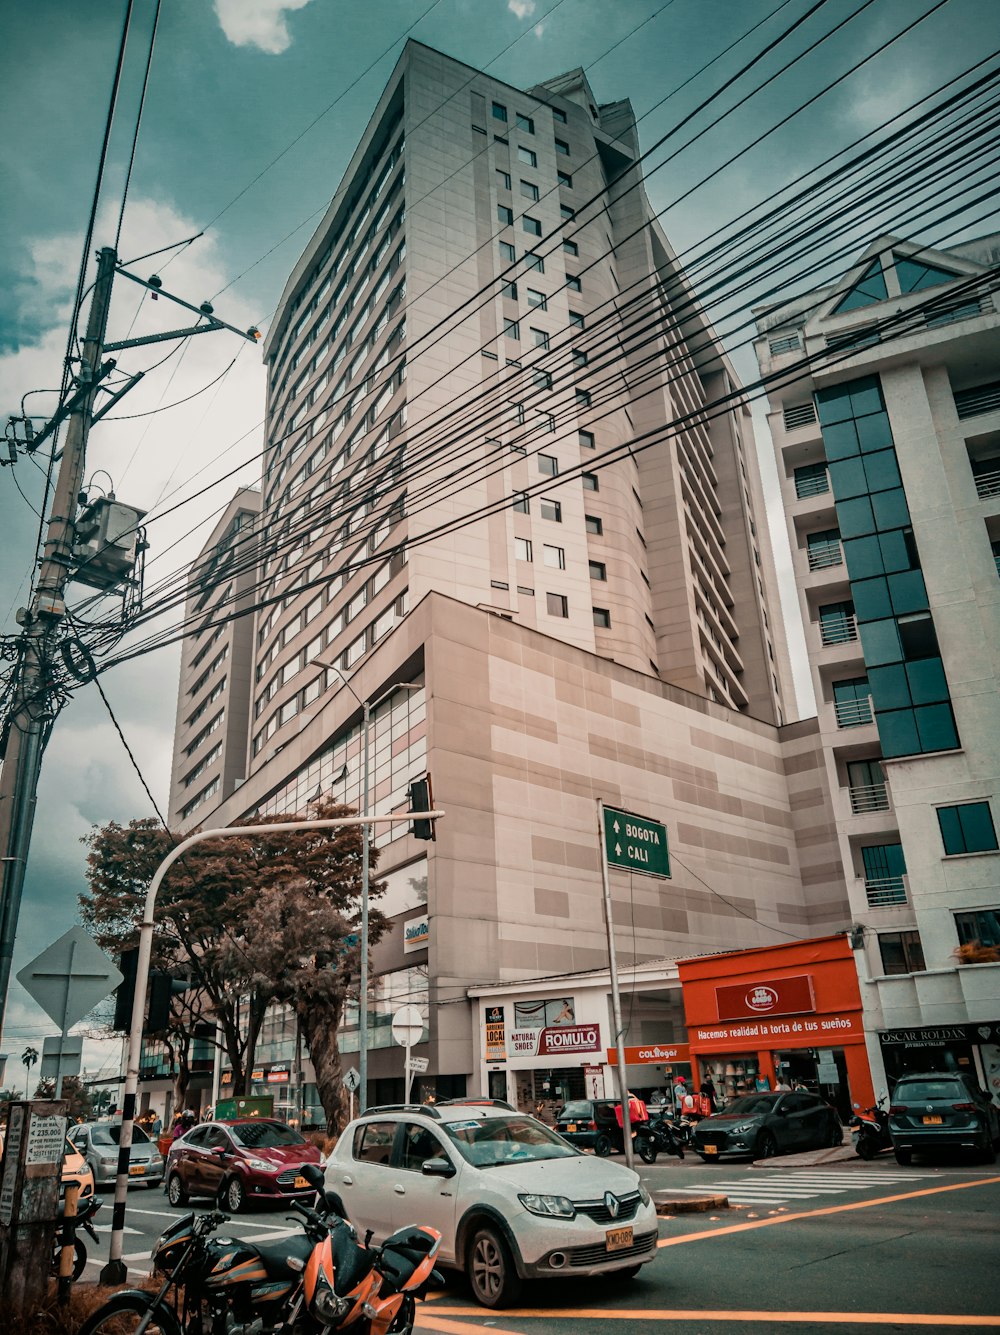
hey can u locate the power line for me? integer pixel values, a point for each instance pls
(138, 123)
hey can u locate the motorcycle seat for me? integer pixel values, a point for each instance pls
(275, 1256)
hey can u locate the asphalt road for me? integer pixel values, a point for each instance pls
(843, 1247)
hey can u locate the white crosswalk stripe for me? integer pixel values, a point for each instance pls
(774, 1187)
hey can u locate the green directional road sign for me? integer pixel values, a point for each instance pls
(636, 843)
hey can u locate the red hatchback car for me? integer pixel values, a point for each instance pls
(238, 1161)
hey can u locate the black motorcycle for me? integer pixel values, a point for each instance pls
(871, 1129)
(661, 1135)
(71, 1227)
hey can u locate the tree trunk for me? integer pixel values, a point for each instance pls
(320, 1027)
(255, 1019)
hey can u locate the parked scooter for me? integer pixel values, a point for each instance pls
(662, 1135)
(871, 1129)
(81, 1220)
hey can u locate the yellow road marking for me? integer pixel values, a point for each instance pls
(442, 1320)
(829, 1209)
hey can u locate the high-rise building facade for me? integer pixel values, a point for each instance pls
(510, 494)
(887, 433)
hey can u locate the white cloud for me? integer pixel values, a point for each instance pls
(261, 23)
(522, 8)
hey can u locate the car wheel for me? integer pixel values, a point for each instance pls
(233, 1196)
(176, 1194)
(989, 1152)
(904, 1157)
(603, 1146)
(836, 1136)
(491, 1271)
(766, 1146)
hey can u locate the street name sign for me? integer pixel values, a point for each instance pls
(417, 1064)
(635, 843)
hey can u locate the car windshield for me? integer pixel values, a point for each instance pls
(109, 1135)
(265, 1135)
(751, 1105)
(581, 1108)
(489, 1142)
(928, 1089)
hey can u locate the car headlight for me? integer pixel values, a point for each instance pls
(560, 1206)
(644, 1195)
(258, 1165)
(742, 1129)
(82, 1171)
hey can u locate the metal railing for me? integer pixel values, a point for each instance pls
(811, 486)
(987, 484)
(824, 554)
(868, 797)
(883, 891)
(852, 713)
(978, 400)
(838, 629)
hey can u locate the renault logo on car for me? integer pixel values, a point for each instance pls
(613, 1204)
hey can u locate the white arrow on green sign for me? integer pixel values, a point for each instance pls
(636, 843)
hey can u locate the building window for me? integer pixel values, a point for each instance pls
(823, 549)
(531, 225)
(594, 525)
(967, 828)
(554, 557)
(525, 123)
(527, 156)
(512, 329)
(884, 869)
(522, 505)
(557, 605)
(505, 215)
(503, 180)
(569, 214)
(837, 624)
(811, 480)
(499, 112)
(542, 379)
(589, 481)
(565, 179)
(522, 549)
(576, 320)
(578, 358)
(537, 299)
(562, 147)
(866, 786)
(582, 397)
(586, 439)
(548, 464)
(979, 928)
(518, 413)
(509, 290)
(598, 570)
(779, 343)
(529, 191)
(559, 115)
(541, 338)
(602, 618)
(507, 251)
(901, 952)
(852, 702)
(533, 261)
(571, 248)
(551, 510)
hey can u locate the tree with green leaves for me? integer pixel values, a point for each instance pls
(249, 920)
(74, 1092)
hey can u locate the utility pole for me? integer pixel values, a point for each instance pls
(30, 722)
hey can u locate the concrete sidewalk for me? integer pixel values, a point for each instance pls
(811, 1158)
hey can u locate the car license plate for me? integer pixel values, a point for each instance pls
(617, 1239)
(136, 1169)
(570, 1126)
(710, 1149)
(300, 1182)
(931, 1121)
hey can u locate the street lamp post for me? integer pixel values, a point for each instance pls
(367, 707)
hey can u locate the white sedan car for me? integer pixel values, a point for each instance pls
(511, 1199)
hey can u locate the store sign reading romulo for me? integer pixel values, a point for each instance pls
(765, 997)
(564, 1040)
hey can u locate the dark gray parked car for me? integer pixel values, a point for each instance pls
(762, 1125)
(942, 1110)
(98, 1143)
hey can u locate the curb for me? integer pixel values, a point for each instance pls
(690, 1204)
(811, 1158)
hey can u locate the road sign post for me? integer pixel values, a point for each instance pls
(352, 1081)
(407, 1030)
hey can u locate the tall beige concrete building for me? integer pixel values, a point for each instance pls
(508, 465)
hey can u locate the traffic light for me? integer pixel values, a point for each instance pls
(162, 989)
(422, 799)
(125, 992)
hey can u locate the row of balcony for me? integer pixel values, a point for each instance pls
(813, 480)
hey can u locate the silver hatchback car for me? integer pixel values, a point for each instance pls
(942, 1110)
(98, 1143)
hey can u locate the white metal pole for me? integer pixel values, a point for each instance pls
(365, 891)
(408, 1074)
(64, 1027)
(115, 1272)
(217, 1068)
(616, 1001)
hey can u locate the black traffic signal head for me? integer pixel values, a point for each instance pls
(422, 799)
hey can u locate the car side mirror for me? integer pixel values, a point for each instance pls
(440, 1167)
(219, 1150)
(781, 1111)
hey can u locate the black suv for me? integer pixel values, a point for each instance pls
(591, 1124)
(942, 1110)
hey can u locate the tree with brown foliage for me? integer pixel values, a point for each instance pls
(249, 919)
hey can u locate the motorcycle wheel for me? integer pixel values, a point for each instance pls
(402, 1322)
(79, 1258)
(123, 1313)
(647, 1150)
(864, 1148)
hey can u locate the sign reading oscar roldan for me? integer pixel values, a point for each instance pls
(563, 1040)
(636, 843)
(496, 1037)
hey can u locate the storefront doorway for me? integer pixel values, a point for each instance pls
(822, 1071)
(550, 1089)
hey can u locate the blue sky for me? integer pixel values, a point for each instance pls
(236, 84)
